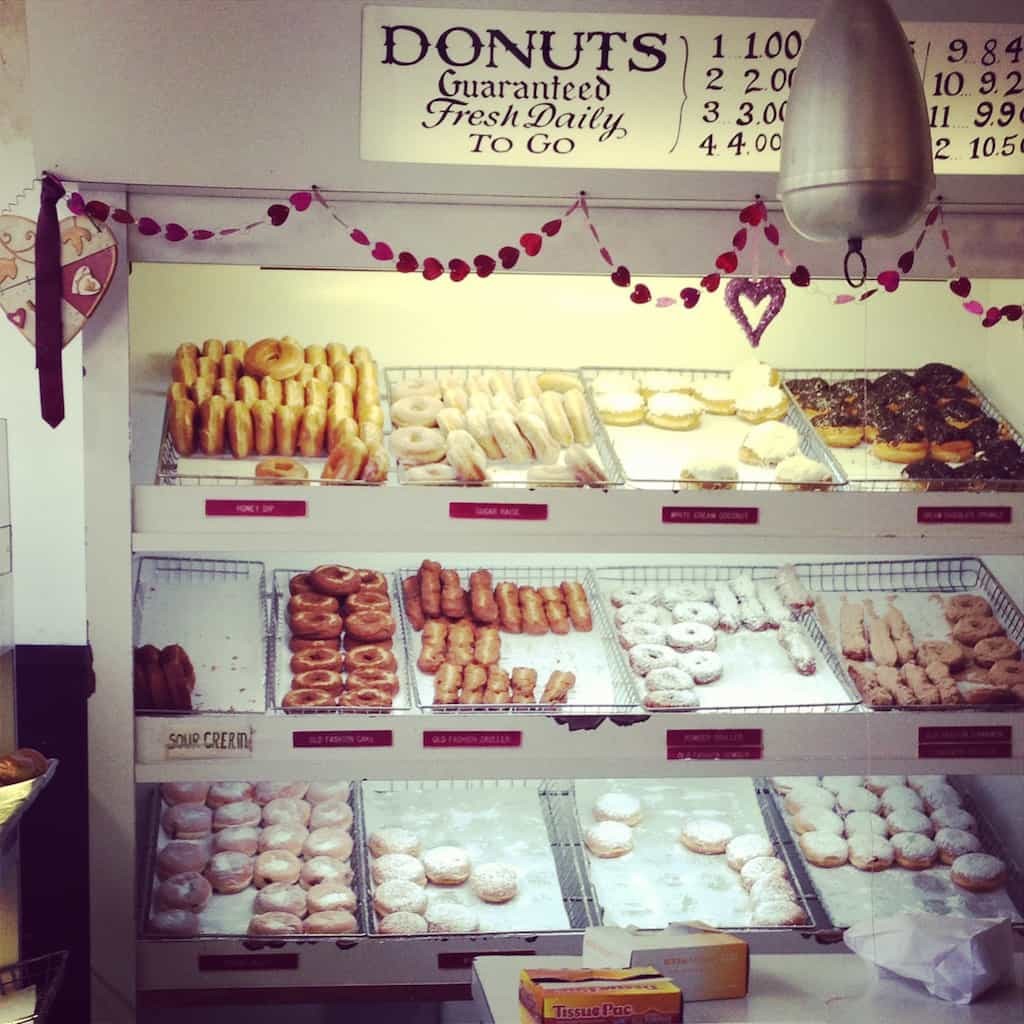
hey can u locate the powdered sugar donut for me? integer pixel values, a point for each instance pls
(495, 883)
(330, 922)
(319, 792)
(329, 896)
(289, 836)
(914, 850)
(772, 887)
(398, 896)
(634, 634)
(696, 611)
(187, 891)
(638, 613)
(633, 595)
(393, 840)
(978, 872)
(691, 636)
(865, 821)
(761, 867)
(817, 819)
(402, 923)
(824, 849)
(618, 807)
(706, 836)
(856, 798)
(328, 842)
(399, 865)
(276, 866)
(281, 898)
(447, 865)
(910, 821)
(221, 793)
(443, 916)
(919, 782)
(704, 666)
(264, 792)
(900, 798)
(180, 856)
(275, 923)
(243, 813)
(331, 814)
(777, 914)
(671, 700)
(955, 842)
(609, 839)
(869, 852)
(242, 838)
(684, 593)
(229, 872)
(878, 784)
(668, 679)
(286, 809)
(834, 783)
(746, 847)
(187, 821)
(646, 658)
(175, 924)
(325, 869)
(806, 795)
(948, 816)
(940, 794)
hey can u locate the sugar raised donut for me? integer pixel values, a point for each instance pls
(609, 839)
(744, 848)
(418, 446)
(939, 794)
(618, 807)
(275, 923)
(398, 896)
(281, 898)
(824, 849)
(867, 822)
(900, 798)
(954, 842)
(446, 865)
(856, 798)
(325, 869)
(328, 841)
(495, 883)
(870, 852)
(229, 872)
(241, 838)
(402, 922)
(276, 866)
(706, 836)
(803, 796)
(978, 872)
(393, 840)
(759, 868)
(818, 819)
(910, 821)
(330, 896)
(948, 816)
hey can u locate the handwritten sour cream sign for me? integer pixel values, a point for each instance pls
(650, 92)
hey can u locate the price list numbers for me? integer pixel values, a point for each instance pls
(746, 78)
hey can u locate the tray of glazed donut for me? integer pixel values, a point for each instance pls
(254, 858)
(891, 844)
(512, 639)
(712, 429)
(661, 851)
(928, 633)
(714, 637)
(335, 646)
(462, 857)
(201, 635)
(475, 425)
(273, 412)
(924, 429)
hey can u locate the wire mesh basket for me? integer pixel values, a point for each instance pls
(42, 974)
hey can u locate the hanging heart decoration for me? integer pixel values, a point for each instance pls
(756, 290)
(88, 262)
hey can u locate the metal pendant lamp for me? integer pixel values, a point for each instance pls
(856, 149)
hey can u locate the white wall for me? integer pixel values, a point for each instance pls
(46, 464)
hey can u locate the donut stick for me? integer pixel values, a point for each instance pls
(939, 674)
(498, 690)
(535, 622)
(286, 427)
(180, 676)
(479, 428)
(411, 602)
(239, 427)
(212, 414)
(481, 597)
(447, 684)
(889, 678)
(536, 432)
(880, 644)
(793, 593)
(524, 685)
(579, 607)
(902, 637)
(183, 426)
(775, 612)
(558, 686)
(866, 681)
(148, 658)
(576, 411)
(487, 649)
(851, 631)
(923, 688)
(430, 588)
(728, 607)
(453, 598)
(264, 429)
(557, 615)
(375, 469)
(506, 596)
(795, 643)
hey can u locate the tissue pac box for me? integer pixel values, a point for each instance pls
(638, 994)
(704, 963)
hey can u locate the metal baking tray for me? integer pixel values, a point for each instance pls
(280, 655)
(845, 696)
(751, 478)
(148, 882)
(216, 609)
(503, 475)
(951, 575)
(861, 466)
(616, 692)
(577, 897)
(565, 810)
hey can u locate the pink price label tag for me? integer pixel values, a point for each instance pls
(721, 515)
(250, 962)
(342, 738)
(970, 515)
(965, 741)
(255, 509)
(714, 744)
(520, 511)
(434, 740)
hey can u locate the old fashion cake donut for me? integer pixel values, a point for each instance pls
(335, 580)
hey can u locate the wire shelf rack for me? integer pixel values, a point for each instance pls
(44, 974)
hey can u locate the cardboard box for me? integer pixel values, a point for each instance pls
(637, 994)
(704, 963)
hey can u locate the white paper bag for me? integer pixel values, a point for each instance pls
(955, 958)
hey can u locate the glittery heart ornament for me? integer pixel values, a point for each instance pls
(756, 290)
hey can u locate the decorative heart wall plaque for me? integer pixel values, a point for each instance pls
(88, 262)
(756, 290)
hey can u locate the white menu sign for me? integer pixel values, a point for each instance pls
(649, 92)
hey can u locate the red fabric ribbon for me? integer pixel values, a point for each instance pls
(49, 318)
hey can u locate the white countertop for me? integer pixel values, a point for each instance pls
(784, 989)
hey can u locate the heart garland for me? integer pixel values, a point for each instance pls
(756, 291)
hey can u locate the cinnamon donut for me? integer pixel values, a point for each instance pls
(960, 606)
(187, 891)
(370, 656)
(317, 659)
(276, 866)
(275, 923)
(281, 898)
(229, 872)
(299, 699)
(317, 625)
(312, 602)
(1005, 673)
(972, 629)
(287, 835)
(329, 896)
(995, 648)
(370, 627)
(336, 580)
(274, 358)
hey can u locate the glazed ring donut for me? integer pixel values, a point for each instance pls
(417, 446)
(381, 679)
(317, 625)
(274, 358)
(972, 629)
(300, 584)
(298, 643)
(995, 648)
(317, 659)
(415, 411)
(312, 602)
(366, 698)
(366, 601)
(415, 387)
(310, 699)
(434, 473)
(961, 605)
(336, 580)
(317, 679)
(281, 469)
(371, 626)
(1006, 672)
(370, 656)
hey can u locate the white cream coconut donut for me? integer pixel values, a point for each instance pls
(447, 865)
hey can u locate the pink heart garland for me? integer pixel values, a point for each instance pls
(640, 294)
(97, 210)
(889, 280)
(801, 276)
(691, 297)
(710, 282)
(223, 231)
(175, 233)
(932, 217)
(458, 270)
(509, 256)
(407, 263)
(906, 261)
(301, 200)
(664, 302)
(752, 214)
(432, 268)
(76, 203)
(18, 318)
(148, 226)
(975, 307)
(727, 262)
(531, 243)
(868, 294)
(842, 300)
(122, 216)
(1012, 313)
(359, 237)
(771, 232)
(739, 240)
(484, 264)
(201, 234)
(961, 287)
(756, 290)
(606, 256)
(992, 317)
(278, 214)
(383, 252)
(552, 227)
(621, 277)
